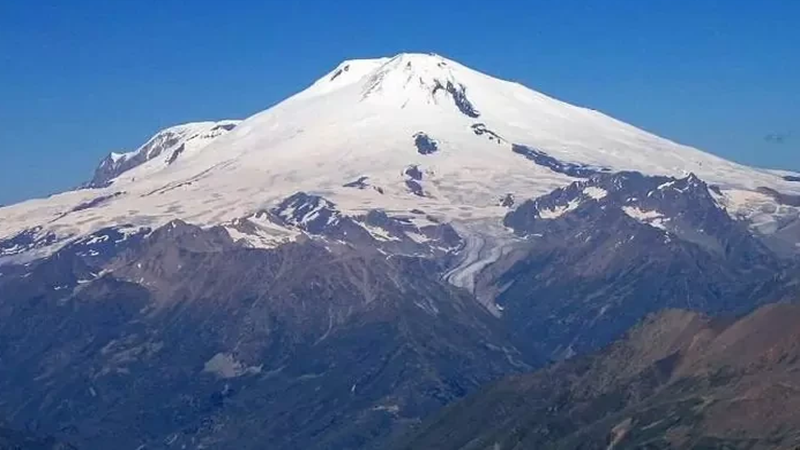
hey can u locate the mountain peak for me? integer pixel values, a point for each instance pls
(406, 79)
(413, 79)
(412, 69)
(403, 57)
(170, 142)
(416, 59)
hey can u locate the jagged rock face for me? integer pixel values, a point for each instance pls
(316, 216)
(402, 236)
(459, 95)
(309, 212)
(541, 158)
(678, 380)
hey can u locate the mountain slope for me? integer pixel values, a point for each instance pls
(306, 346)
(679, 380)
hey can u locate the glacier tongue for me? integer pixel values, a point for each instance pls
(363, 121)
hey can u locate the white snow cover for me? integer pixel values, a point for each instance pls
(359, 120)
(653, 218)
(261, 233)
(762, 211)
(560, 210)
(595, 192)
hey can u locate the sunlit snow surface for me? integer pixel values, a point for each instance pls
(360, 120)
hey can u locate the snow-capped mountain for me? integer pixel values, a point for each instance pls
(411, 132)
(326, 272)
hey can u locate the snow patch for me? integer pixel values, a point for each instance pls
(595, 192)
(663, 186)
(378, 233)
(559, 211)
(653, 218)
(224, 365)
(117, 157)
(258, 231)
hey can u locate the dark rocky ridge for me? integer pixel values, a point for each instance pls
(480, 129)
(224, 126)
(396, 235)
(594, 271)
(312, 213)
(543, 159)
(175, 154)
(96, 202)
(459, 95)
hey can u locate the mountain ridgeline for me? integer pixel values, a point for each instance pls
(405, 235)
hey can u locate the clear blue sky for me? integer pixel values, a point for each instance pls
(81, 78)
